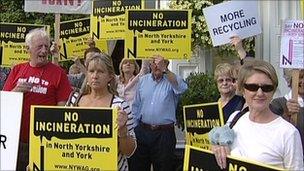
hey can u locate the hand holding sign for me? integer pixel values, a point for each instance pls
(23, 87)
(293, 109)
(54, 50)
(230, 18)
(122, 119)
(236, 41)
(221, 152)
(91, 42)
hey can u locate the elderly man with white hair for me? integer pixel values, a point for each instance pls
(40, 81)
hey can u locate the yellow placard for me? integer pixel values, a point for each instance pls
(108, 18)
(158, 32)
(74, 35)
(12, 42)
(199, 119)
(302, 5)
(66, 138)
(200, 159)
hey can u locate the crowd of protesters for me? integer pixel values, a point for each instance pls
(147, 99)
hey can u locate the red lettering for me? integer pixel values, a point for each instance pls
(79, 2)
(62, 2)
(71, 2)
(58, 2)
(52, 2)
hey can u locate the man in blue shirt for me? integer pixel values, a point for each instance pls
(154, 109)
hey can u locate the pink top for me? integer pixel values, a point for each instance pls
(127, 92)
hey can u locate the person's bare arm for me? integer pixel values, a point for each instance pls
(126, 143)
(61, 103)
(236, 41)
(54, 50)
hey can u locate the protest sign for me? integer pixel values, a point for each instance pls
(199, 119)
(10, 118)
(108, 18)
(66, 138)
(232, 18)
(74, 35)
(59, 6)
(200, 159)
(158, 32)
(292, 44)
(12, 42)
(292, 54)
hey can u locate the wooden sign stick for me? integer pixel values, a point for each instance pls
(295, 91)
(56, 37)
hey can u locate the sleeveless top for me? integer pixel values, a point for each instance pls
(122, 164)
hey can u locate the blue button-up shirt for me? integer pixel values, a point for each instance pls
(155, 102)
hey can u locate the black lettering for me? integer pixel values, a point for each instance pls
(3, 140)
(224, 18)
(225, 28)
(215, 31)
(232, 16)
(298, 25)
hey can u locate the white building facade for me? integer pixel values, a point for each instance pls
(267, 45)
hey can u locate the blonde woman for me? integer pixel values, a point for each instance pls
(100, 91)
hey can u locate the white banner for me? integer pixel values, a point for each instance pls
(292, 44)
(59, 6)
(10, 117)
(232, 18)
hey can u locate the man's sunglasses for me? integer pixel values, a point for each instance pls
(254, 87)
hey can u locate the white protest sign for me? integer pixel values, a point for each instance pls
(10, 117)
(232, 18)
(59, 6)
(292, 44)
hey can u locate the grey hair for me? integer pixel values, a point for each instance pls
(40, 32)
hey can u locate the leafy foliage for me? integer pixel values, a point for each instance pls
(201, 89)
(12, 11)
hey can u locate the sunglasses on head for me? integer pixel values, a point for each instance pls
(254, 87)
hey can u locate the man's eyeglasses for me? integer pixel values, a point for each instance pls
(254, 87)
(228, 80)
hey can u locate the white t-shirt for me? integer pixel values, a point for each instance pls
(276, 143)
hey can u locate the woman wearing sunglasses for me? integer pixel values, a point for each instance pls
(260, 134)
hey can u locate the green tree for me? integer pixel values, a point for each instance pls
(12, 11)
(201, 89)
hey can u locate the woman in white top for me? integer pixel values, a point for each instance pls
(260, 134)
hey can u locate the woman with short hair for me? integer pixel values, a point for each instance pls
(260, 134)
(230, 102)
